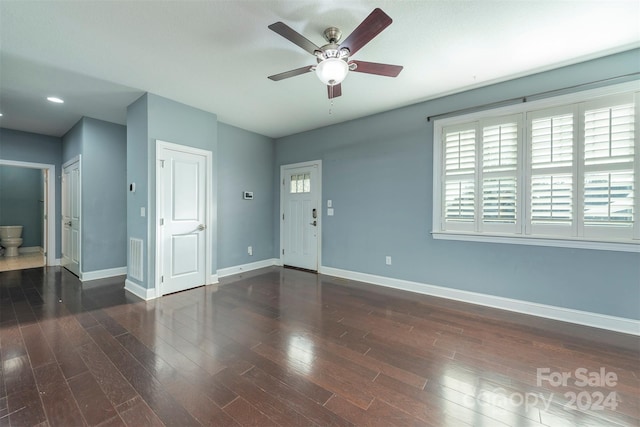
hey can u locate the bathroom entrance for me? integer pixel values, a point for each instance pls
(27, 200)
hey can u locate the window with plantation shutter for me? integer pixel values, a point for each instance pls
(561, 171)
(459, 176)
(551, 153)
(609, 181)
(499, 173)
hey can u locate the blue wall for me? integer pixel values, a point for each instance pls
(137, 172)
(246, 163)
(104, 195)
(378, 173)
(35, 148)
(153, 118)
(103, 148)
(21, 202)
(72, 142)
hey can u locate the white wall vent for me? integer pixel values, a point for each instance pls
(135, 259)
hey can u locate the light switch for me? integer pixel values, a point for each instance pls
(330, 212)
(329, 203)
(143, 212)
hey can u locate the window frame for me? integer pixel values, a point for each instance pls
(526, 233)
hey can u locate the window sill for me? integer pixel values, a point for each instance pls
(629, 246)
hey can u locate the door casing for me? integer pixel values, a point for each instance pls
(318, 199)
(208, 232)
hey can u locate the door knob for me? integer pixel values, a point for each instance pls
(201, 227)
(314, 223)
(68, 223)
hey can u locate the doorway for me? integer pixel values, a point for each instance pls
(184, 183)
(301, 216)
(47, 217)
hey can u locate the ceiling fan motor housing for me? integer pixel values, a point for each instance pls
(332, 35)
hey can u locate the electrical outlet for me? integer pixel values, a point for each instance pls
(250, 250)
(388, 260)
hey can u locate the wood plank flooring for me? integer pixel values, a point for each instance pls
(290, 348)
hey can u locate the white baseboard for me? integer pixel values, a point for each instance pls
(230, 271)
(149, 294)
(55, 262)
(29, 250)
(103, 274)
(596, 320)
(139, 291)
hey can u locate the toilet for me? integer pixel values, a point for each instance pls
(10, 239)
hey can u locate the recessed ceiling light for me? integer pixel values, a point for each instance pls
(55, 99)
(0, 114)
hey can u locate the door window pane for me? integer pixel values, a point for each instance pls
(300, 183)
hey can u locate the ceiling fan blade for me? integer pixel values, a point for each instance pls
(293, 36)
(334, 91)
(367, 30)
(375, 68)
(291, 73)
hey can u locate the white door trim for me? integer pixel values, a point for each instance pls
(208, 232)
(51, 204)
(283, 168)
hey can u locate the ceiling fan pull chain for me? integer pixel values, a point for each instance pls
(331, 100)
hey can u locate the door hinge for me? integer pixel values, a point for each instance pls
(161, 279)
(283, 217)
(161, 163)
(161, 221)
(283, 252)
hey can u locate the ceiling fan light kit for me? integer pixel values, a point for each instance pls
(332, 71)
(333, 58)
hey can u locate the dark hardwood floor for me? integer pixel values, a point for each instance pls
(290, 348)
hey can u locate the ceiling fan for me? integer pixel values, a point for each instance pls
(334, 61)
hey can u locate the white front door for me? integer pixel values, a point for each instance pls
(182, 212)
(71, 216)
(301, 215)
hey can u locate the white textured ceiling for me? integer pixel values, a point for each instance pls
(216, 55)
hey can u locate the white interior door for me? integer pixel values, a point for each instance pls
(183, 211)
(300, 200)
(71, 217)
